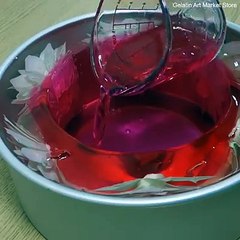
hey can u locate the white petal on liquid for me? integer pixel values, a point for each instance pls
(35, 64)
(34, 155)
(48, 57)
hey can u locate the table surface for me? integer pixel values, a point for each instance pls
(19, 20)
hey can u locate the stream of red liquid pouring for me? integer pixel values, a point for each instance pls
(132, 58)
(179, 128)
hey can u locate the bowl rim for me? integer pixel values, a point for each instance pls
(45, 183)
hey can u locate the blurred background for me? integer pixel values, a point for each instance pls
(19, 20)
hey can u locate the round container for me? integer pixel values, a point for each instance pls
(59, 212)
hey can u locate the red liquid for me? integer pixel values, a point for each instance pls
(179, 128)
(132, 58)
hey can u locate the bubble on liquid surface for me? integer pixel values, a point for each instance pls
(128, 131)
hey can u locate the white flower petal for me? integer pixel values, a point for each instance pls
(25, 141)
(48, 57)
(60, 52)
(24, 137)
(35, 64)
(33, 77)
(36, 69)
(34, 155)
(23, 95)
(20, 82)
(49, 174)
(36, 152)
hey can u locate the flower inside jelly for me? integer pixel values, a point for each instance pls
(179, 132)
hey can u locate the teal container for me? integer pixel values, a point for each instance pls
(60, 213)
